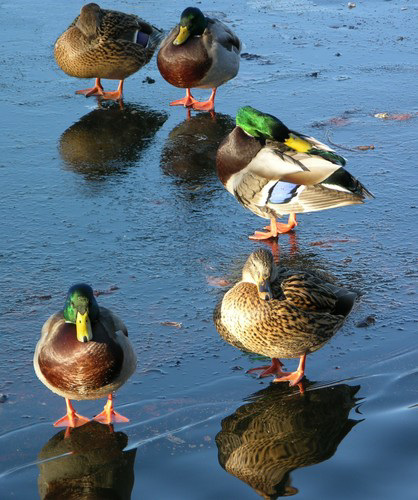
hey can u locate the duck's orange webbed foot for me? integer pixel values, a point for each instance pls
(96, 90)
(187, 101)
(295, 377)
(116, 95)
(109, 415)
(208, 105)
(283, 228)
(72, 419)
(274, 369)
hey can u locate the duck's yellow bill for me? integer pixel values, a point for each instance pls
(83, 327)
(298, 145)
(182, 36)
(264, 290)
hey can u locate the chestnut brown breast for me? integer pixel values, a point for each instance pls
(183, 65)
(75, 366)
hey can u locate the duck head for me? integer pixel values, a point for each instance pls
(81, 309)
(192, 23)
(260, 270)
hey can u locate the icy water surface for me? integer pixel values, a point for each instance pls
(127, 200)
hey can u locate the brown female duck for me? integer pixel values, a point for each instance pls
(280, 314)
(84, 353)
(105, 44)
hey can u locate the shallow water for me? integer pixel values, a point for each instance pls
(143, 217)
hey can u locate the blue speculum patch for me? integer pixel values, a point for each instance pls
(282, 192)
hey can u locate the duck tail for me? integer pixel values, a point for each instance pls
(155, 38)
(341, 179)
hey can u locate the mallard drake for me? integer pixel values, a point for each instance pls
(199, 53)
(103, 43)
(84, 353)
(273, 171)
(280, 314)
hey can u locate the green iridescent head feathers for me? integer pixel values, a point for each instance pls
(261, 125)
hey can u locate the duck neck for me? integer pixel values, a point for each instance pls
(235, 153)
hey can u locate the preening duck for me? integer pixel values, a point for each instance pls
(273, 171)
(103, 43)
(199, 52)
(84, 353)
(279, 313)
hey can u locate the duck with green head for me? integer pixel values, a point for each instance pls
(103, 43)
(199, 52)
(84, 353)
(281, 313)
(273, 171)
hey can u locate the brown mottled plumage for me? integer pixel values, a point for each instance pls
(267, 438)
(279, 314)
(90, 368)
(105, 44)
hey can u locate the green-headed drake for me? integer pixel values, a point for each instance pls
(199, 53)
(84, 353)
(280, 313)
(274, 171)
(103, 43)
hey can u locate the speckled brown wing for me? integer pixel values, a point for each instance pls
(275, 328)
(306, 292)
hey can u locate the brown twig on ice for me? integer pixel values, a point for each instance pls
(346, 148)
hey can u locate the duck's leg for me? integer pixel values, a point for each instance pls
(208, 105)
(274, 369)
(272, 231)
(294, 377)
(116, 95)
(187, 101)
(72, 419)
(109, 415)
(285, 228)
(96, 90)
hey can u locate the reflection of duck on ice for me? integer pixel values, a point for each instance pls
(95, 467)
(108, 140)
(275, 433)
(190, 150)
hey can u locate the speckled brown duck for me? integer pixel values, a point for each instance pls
(108, 44)
(280, 314)
(271, 435)
(84, 353)
(199, 52)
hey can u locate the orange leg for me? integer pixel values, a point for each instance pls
(109, 415)
(114, 95)
(294, 377)
(72, 419)
(208, 105)
(274, 369)
(96, 90)
(187, 101)
(275, 228)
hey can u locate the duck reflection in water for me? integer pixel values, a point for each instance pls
(108, 140)
(95, 468)
(190, 150)
(277, 432)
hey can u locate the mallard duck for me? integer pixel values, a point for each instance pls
(84, 353)
(280, 314)
(105, 44)
(199, 53)
(273, 171)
